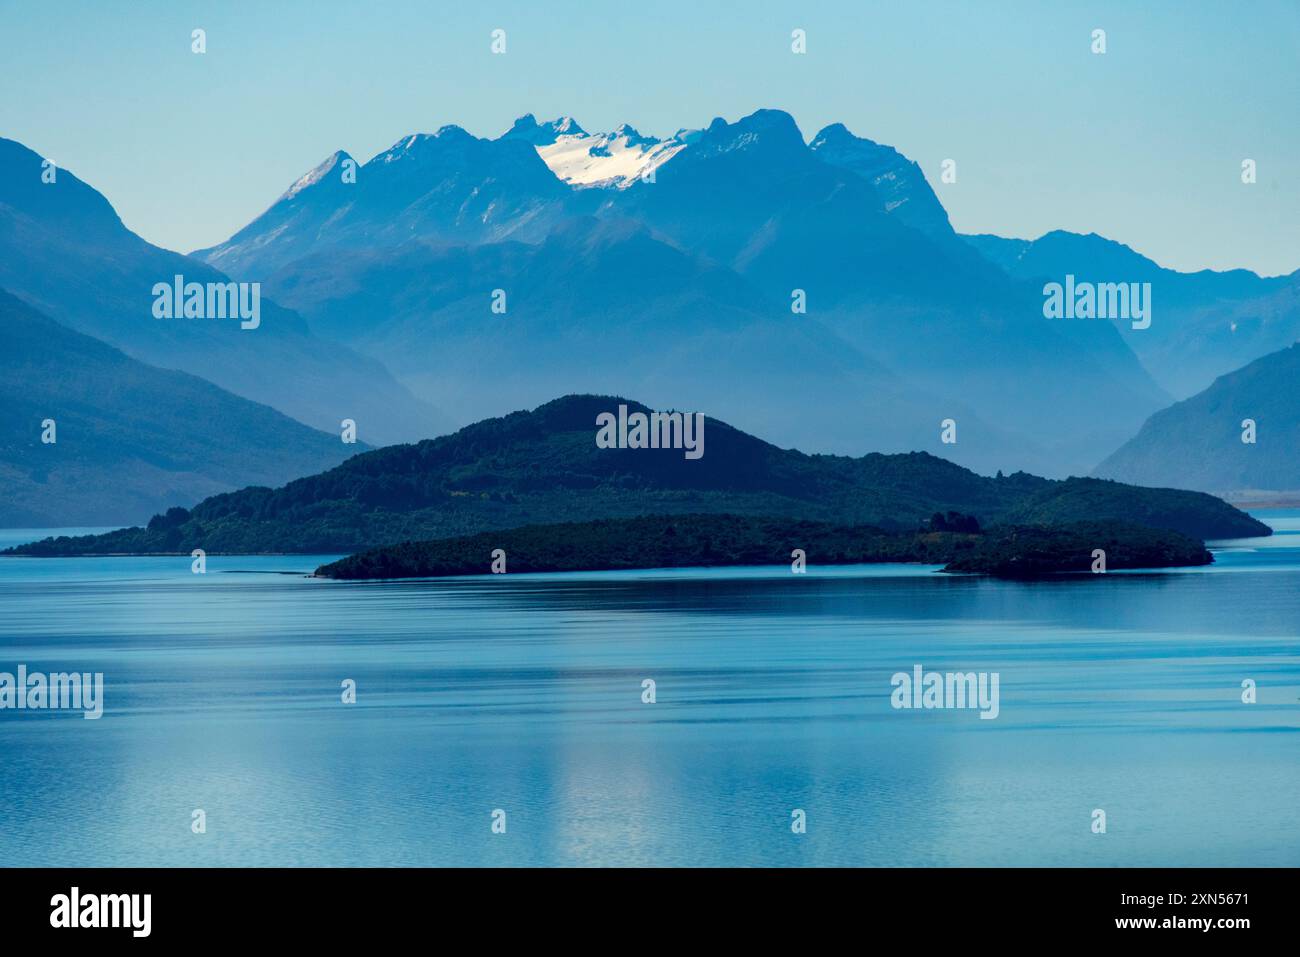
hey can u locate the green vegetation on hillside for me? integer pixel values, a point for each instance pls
(1022, 551)
(706, 541)
(543, 467)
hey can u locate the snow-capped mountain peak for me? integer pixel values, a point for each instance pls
(315, 176)
(566, 126)
(527, 128)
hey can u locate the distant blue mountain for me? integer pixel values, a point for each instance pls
(528, 129)
(447, 186)
(898, 181)
(1197, 443)
(65, 251)
(602, 303)
(666, 268)
(1204, 324)
(130, 440)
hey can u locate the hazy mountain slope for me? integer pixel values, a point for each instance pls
(1197, 443)
(750, 194)
(828, 221)
(131, 440)
(447, 186)
(544, 466)
(853, 225)
(64, 251)
(898, 181)
(602, 306)
(906, 324)
(1203, 324)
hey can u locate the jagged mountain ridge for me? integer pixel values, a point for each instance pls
(64, 251)
(1204, 324)
(852, 224)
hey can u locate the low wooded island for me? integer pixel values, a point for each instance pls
(710, 541)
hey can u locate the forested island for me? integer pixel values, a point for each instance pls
(709, 541)
(543, 467)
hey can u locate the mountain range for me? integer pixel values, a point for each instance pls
(810, 290)
(65, 251)
(684, 256)
(1204, 324)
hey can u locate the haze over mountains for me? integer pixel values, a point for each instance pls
(683, 257)
(65, 251)
(1197, 443)
(1204, 324)
(623, 263)
(130, 440)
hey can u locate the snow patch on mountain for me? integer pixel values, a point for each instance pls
(316, 175)
(579, 158)
(583, 159)
(615, 159)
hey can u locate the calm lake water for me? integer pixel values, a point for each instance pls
(522, 693)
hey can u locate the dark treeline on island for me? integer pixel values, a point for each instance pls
(543, 467)
(1032, 551)
(711, 541)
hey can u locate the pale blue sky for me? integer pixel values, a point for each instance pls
(1143, 144)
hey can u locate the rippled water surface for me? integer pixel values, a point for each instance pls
(524, 693)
